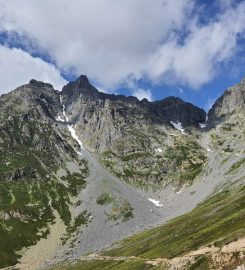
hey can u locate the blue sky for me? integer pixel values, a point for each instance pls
(193, 49)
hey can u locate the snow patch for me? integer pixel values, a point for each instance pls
(178, 126)
(202, 125)
(74, 136)
(158, 150)
(178, 192)
(156, 203)
(60, 119)
(70, 128)
(64, 110)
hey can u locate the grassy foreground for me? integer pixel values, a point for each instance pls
(218, 221)
(106, 265)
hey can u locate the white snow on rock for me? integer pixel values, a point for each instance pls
(202, 125)
(64, 110)
(178, 126)
(158, 150)
(64, 113)
(156, 203)
(60, 119)
(178, 192)
(74, 136)
(70, 128)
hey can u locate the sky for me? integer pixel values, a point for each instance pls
(193, 49)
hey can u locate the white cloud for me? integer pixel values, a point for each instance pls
(107, 40)
(18, 67)
(112, 41)
(142, 93)
(106, 90)
(196, 61)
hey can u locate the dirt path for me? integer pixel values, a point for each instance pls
(98, 257)
(219, 257)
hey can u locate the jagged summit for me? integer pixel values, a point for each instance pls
(82, 81)
(82, 85)
(169, 108)
(165, 110)
(40, 84)
(232, 101)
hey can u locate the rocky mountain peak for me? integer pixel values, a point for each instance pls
(176, 109)
(80, 87)
(40, 84)
(82, 81)
(232, 101)
(81, 94)
(36, 99)
(172, 100)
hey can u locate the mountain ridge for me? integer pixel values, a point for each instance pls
(82, 86)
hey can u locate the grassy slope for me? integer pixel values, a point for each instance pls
(27, 207)
(29, 155)
(219, 220)
(112, 265)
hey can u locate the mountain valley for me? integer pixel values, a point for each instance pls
(100, 181)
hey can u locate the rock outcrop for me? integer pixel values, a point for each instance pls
(231, 102)
(103, 117)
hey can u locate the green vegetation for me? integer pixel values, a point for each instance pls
(121, 211)
(136, 161)
(81, 219)
(30, 154)
(217, 140)
(219, 220)
(105, 198)
(112, 265)
(76, 182)
(200, 264)
(29, 150)
(224, 160)
(26, 208)
(227, 127)
(221, 217)
(187, 159)
(237, 165)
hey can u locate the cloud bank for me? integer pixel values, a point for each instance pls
(114, 42)
(18, 67)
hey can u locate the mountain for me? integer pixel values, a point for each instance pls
(34, 159)
(128, 134)
(230, 103)
(81, 169)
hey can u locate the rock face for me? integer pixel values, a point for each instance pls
(126, 133)
(231, 102)
(103, 116)
(27, 132)
(34, 155)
